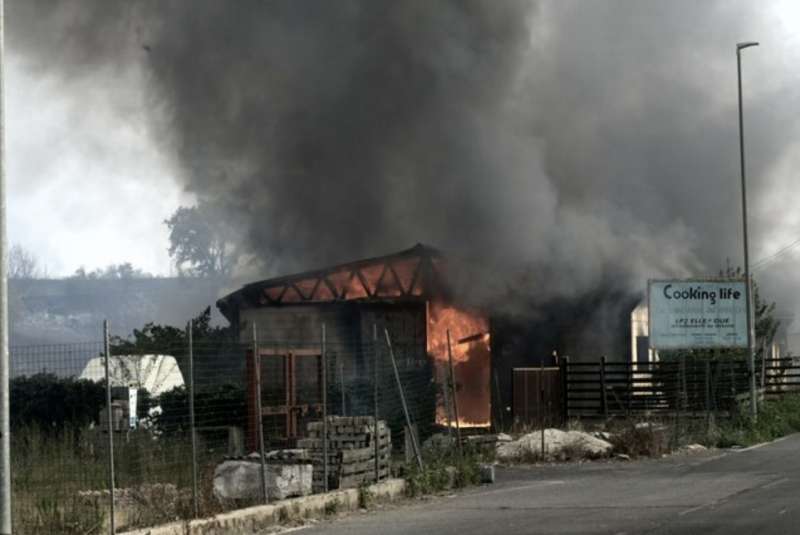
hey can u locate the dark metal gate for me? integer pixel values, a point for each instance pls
(537, 395)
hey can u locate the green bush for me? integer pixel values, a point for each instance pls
(640, 441)
(443, 468)
(431, 479)
(332, 507)
(50, 402)
(365, 496)
(219, 405)
(775, 419)
(53, 403)
(467, 472)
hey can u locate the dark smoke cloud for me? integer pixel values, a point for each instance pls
(571, 142)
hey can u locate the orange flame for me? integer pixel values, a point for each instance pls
(469, 344)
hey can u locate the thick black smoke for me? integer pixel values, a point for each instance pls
(568, 143)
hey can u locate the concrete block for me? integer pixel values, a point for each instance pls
(241, 480)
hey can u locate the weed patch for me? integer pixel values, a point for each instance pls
(642, 440)
(332, 507)
(775, 419)
(365, 496)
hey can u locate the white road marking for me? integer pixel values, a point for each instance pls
(775, 483)
(523, 487)
(697, 508)
(761, 445)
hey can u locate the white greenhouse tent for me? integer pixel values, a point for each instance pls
(155, 373)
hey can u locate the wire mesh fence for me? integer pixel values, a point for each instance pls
(203, 426)
(696, 386)
(180, 410)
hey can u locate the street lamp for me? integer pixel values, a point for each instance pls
(749, 292)
(5, 444)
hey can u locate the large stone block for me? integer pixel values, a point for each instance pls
(241, 480)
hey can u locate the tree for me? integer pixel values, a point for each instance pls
(122, 271)
(222, 404)
(218, 356)
(218, 370)
(22, 264)
(158, 339)
(201, 242)
(765, 323)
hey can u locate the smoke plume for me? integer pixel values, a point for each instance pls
(555, 144)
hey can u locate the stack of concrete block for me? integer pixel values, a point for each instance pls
(351, 451)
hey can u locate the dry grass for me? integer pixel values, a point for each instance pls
(60, 480)
(642, 439)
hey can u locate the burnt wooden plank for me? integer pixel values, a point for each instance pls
(379, 282)
(363, 282)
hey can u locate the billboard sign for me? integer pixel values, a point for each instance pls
(697, 313)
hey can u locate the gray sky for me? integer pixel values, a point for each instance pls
(88, 184)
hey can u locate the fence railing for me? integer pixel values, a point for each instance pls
(604, 389)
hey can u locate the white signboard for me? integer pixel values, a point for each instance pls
(133, 394)
(702, 313)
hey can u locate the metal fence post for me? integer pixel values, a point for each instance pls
(260, 415)
(375, 399)
(5, 444)
(324, 410)
(403, 400)
(110, 417)
(684, 386)
(708, 394)
(499, 400)
(629, 369)
(603, 399)
(565, 388)
(341, 388)
(679, 398)
(446, 392)
(189, 336)
(541, 405)
(453, 391)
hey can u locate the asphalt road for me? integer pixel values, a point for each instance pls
(739, 492)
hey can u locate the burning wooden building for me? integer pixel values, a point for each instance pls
(405, 293)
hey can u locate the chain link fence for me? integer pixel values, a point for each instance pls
(179, 411)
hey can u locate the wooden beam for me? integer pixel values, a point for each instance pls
(315, 288)
(283, 292)
(419, 276)
(380, 278)
(332, 288)
(363, 282)
(397, 279)
(301, 294)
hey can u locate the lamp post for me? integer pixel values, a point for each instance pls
(5, 445)
(749, 293)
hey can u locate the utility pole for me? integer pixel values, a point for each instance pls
(749, 292)
(5, 444)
